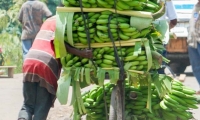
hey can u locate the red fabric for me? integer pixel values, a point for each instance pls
(39, 65)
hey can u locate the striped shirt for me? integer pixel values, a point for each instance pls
(40, 64)
(31, 17)
(194, 27)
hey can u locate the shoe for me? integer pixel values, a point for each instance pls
(21, 119)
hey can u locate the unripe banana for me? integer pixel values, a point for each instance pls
(104, 16)
(123, 5)
(95, 16)
(97, 39)
(109, 57)
(130, 29)
(123, 37)
(102, 27)
(107, 12)
(106, 61)
(103, 65)
(102, 21)
(123, 25)
(83, 40)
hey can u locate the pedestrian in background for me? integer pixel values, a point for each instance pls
(193, 41)
(171, 17)
(31, 16)
(41, 70)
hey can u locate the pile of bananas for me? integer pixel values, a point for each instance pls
(99, 26)
(105, 58)
(140, 5)
(172, 107)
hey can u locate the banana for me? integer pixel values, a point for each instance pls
(63, 61)
(129, 58)
(106, 48)
(113, 26)
(75, 59)
(65, 3)
(106, 61)
(92, 2)
(123, 37)
(181, 101)
(98, 61)
(68, 57)
(119, 8)
(99, 56)
(171, 100)
(188, 91)
(101, 51)
(144, 32)
(136, 35)
(104, 16)
(78, 64)
(97, 39)
(84, 35)
(69, 63)
(102, 21)
(84, 60)
(102, 27)
(109, 57)
(130, 29)
(178, 93)
(123, 25)
(95, 16)
(141, 58)
(163, 106)
(129, 49)
(103, 65)
(86, 5)
(123, 5)
(83, 40)
(102, 35)
(106, 12)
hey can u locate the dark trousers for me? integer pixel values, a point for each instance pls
(194, 56)
(37, 102)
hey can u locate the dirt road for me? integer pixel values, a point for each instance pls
(11, 100)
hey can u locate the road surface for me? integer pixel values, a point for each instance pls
(11, 99)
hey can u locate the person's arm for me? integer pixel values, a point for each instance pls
(171, 14)
(81, 53)
(172, 23)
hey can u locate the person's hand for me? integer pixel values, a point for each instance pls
(86, 53)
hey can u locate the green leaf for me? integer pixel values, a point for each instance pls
(127, 66)
(77, 73)
(137, 49)
(163, 27)
(149, 93)
(87, 75)
(148, 53)
(69, 28)
(101, 76)
(82, 74)
(63, 88)
(61, 21)
(140, 22)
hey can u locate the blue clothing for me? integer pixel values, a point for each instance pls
(194, 56)
(37, 102)
(26, 45)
